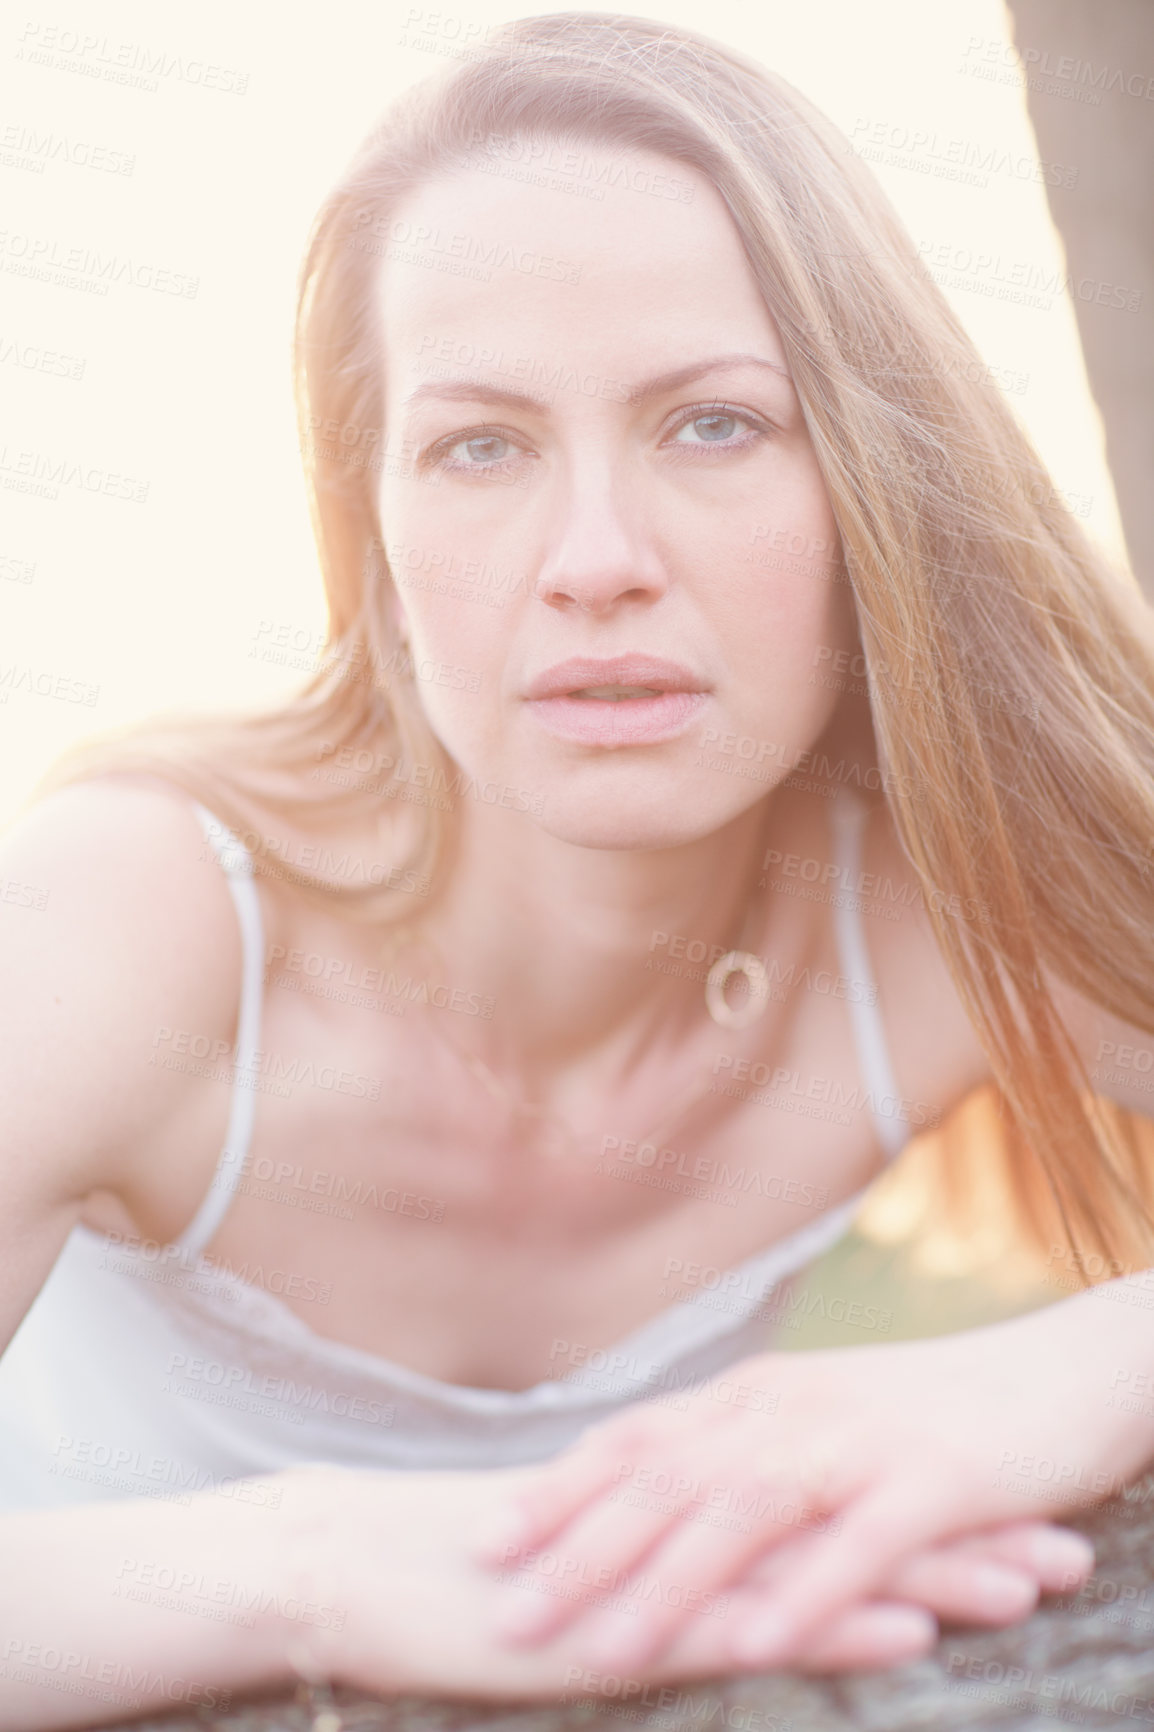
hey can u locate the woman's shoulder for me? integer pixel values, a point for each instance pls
(116, 924)
(127, 848)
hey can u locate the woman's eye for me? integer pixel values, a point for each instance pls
(716, 427)
(482, 449)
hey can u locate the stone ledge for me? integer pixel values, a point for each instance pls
(1087, 1662)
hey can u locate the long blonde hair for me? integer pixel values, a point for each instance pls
(1010, 671)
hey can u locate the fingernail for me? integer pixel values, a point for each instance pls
(903, 1624)
(763, 1639)
(1062, 1560)
(1001, 1587)
(1064, 1550)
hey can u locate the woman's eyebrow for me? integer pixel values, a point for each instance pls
(481, 391)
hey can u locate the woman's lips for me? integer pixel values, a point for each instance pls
(616, 721)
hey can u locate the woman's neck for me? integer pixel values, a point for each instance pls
(572, 946)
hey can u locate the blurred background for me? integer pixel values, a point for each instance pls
(159, 173)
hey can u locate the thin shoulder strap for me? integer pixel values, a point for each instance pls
(237, 864)
(848, 817)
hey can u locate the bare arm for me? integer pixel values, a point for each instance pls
(124, 924)
(110, 1610)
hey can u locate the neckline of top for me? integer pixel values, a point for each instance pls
(701, 1321)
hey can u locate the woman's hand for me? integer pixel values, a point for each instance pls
(405, 1609)
(871, 1461)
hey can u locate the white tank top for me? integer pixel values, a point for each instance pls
(150, 1370)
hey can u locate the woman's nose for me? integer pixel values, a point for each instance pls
(599, 552)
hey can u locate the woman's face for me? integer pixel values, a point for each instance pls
(597, 456)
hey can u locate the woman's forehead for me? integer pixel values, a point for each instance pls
(501, 201)
(480, 257)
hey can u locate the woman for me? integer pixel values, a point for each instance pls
(661, 510)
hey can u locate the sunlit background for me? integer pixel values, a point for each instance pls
(200, 179)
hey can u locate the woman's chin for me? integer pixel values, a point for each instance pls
(627, 827)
